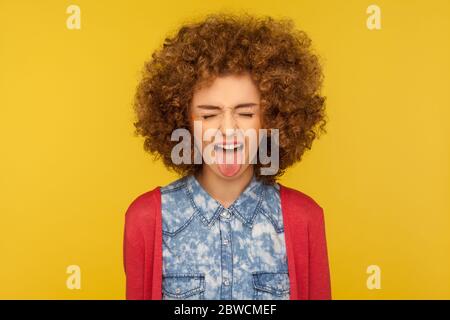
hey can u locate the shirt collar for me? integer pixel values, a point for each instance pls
(245, 207)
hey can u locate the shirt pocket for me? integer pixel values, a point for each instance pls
(271, 286)
(183, 286)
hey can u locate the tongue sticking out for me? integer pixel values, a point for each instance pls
(229, 161)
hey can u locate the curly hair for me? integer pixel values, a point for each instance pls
(279, 59)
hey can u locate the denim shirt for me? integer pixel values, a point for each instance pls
(212, 252)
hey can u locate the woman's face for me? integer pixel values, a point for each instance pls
(226, 110)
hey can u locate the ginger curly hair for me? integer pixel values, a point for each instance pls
(279, 59)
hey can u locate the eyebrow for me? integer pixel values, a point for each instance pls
(212, 107)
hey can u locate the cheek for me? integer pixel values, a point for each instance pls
(209, 130)
(253, 123)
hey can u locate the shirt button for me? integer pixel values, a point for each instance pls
(225, 242)
(226, 282)
(177, 290)
(225, 214)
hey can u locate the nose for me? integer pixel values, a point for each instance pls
(228, 124)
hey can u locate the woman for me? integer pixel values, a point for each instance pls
(226, 229)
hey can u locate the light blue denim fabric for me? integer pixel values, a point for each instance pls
(210, 252)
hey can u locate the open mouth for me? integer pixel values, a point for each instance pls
(228, 146)
(229, 157)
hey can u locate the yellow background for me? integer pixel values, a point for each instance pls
(70, 164)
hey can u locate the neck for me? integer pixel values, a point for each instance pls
(225, 191)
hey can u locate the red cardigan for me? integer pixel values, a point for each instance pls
(304, 229)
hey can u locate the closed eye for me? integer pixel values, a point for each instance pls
(207, 116)
(248, 115)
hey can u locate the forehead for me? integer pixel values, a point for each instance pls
(228, 90)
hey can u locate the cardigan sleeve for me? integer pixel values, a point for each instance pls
(319, 277)
(134, 247)
(133, 253)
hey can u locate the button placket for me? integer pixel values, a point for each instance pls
(226, 255)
